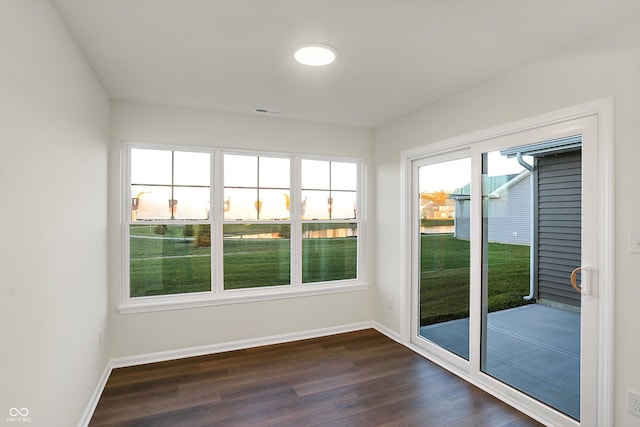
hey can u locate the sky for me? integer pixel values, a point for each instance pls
(243, 174)
(454, 174)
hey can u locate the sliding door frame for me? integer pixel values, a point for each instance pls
(434, 349)
(602, 111)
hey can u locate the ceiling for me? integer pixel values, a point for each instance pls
(394, 56)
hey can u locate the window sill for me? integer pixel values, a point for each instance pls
(179, 302)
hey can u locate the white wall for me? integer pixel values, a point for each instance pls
(53, 206)
(135, 334)
(53, 194)
(608, 65)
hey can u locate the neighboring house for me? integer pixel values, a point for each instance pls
(510, 215)
(429, 209)
(432, 210)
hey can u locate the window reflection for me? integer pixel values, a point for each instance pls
(169, 184)
(256, 188)
(329, 190)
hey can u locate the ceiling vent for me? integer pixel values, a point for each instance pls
(267, 112)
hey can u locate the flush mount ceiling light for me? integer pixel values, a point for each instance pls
(315, 54)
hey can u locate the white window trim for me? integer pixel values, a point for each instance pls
(217, 295)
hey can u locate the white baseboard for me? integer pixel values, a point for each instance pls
(388, 332)
(235, 345)
(95, 397)
(162, 356)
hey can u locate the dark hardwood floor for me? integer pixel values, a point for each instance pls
(360, 378)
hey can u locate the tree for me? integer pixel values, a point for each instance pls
(203, 235)
(160, 229)
(188, 231)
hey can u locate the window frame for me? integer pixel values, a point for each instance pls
(217, 295)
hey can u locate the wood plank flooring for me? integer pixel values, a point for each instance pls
(354, 379)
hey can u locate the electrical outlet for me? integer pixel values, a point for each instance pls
(633, 402)
(390, 303)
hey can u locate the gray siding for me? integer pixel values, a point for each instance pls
(510, 213)
(462, 225)
(559, 193)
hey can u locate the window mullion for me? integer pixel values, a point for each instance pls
(295, 207)
(173, 171)
(216, 220)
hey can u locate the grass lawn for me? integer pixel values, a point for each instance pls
(159, 263)
(444, 287)
(329, 259)
(439, 222)
(266, 262)
(170, 263)
(256, 262)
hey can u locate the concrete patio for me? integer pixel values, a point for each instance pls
(533, 348)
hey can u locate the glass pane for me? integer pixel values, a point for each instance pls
(150, 166)
(240, 171)
(315, 204)
(274, 172)
(315, 174)
(445, 254)
(191, 202)
(274, 204)
(241, 203)
(169, 259)
(329, 252)
(150, 202)
(191, 168)
(343, 205)
(256, 255)
(531, 315)
(344, 176)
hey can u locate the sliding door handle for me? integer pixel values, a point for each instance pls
(583, 287)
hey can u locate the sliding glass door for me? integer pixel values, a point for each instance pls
(444, 213)
(531, 243)
(504, 253)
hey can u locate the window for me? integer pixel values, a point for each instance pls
(330, 227)
(169, 193)
(257, 227)
(212, 226)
